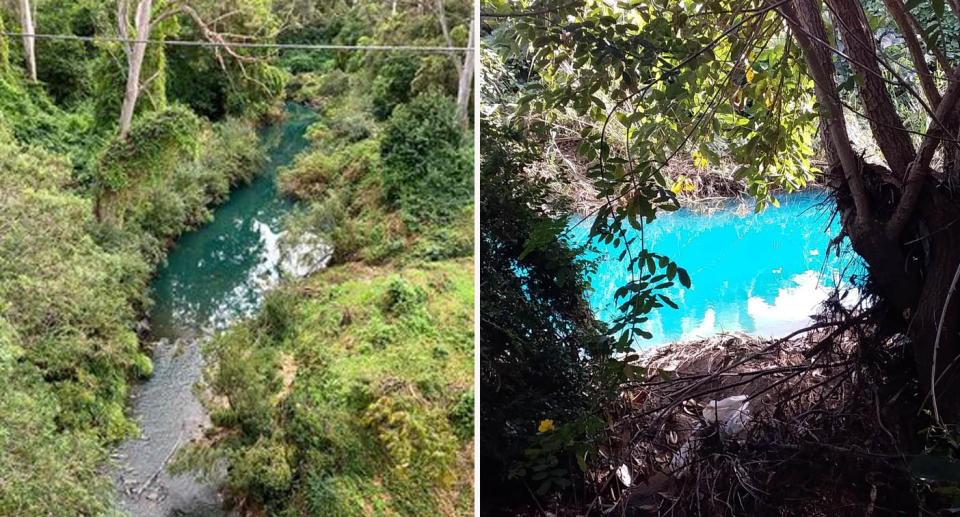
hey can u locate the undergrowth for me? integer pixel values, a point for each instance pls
(355, 398)
(72, 287)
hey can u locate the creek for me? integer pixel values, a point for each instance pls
(762, 273)
(215, 275)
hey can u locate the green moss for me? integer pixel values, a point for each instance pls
(142, 366)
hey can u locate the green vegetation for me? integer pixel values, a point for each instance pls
(858, 95)
(84, 218)
(91, 199)
(351, 393)
(347, 395)
(542, 349)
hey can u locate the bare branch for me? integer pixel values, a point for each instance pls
(214, 37)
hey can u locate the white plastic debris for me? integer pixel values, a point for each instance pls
(731, 415)
(623, 474)
(678, 464)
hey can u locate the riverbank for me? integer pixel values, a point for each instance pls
(214, 276)
(756, 427)
(700, 188)
(351, 391)
(73, 289)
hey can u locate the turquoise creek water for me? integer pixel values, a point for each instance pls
(762, 274)
(213, 276)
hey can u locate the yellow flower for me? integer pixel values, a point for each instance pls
(546, 425)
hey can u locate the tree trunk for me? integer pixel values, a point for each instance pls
(26, 22)
(858, 40)
(943, 258)
(466, 77)
(898, 221)
(135, 53)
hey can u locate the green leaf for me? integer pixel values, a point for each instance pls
(938, 7)
(684, 277)
(668, 301)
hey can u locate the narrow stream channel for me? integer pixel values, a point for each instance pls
(213, 276)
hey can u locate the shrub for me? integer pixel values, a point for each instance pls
(155, 143)
(318, 87)
(436, 73)
(539, 340)
(402, 297)
(427, 169)
(445, 241)
(261, 470)
(339, 172)
(391, 87)
(461, 415)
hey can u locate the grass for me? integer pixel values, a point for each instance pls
(358, 385)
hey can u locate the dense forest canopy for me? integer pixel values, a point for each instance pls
(858, 96)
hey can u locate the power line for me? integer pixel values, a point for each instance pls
(241, 44)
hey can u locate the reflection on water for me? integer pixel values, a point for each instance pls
(214, 275)
(763, 274)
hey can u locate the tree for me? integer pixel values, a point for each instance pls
(464, 69)
(144, 23)
(752, 80)
(465, 72)
(26, 22)
(539, 340)
(134, 50)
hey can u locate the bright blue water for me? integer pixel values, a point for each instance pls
(763, 274)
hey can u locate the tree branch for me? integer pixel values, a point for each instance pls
(805, 22)
(898, 11)
(896, 146)
(920, 167)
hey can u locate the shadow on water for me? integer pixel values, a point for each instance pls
(763, 274)
(214, 275)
